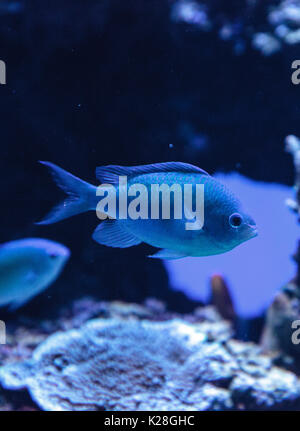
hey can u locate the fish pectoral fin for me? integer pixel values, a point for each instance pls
(165, 253)
(112, 233)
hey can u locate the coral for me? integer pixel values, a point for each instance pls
(277, 334)
(130, 363)
(266, 43)
(221, 298)
(292, 146)
(266, 26)
(285, 308)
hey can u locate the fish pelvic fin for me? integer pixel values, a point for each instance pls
(164, 253)
(80, 195)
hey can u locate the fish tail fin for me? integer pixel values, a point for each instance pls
(79, 195)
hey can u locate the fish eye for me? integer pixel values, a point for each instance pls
(235, 220)
(52, 255)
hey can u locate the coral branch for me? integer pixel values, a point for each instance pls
(221, 298)
(292, 146)
(286, 305)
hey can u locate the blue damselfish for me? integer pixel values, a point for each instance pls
(225, 226)
(28, 266)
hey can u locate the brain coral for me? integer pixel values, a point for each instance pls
(117, 364)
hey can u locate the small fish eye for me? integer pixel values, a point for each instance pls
(235, 220)
(52, 255)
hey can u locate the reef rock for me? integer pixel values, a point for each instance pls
(131, 364)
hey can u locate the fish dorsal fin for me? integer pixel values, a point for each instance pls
(109, 174)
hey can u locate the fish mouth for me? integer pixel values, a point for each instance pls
(254, 231)
(61, 252)
(66, 254)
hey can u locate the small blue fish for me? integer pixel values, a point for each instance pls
(28, 266)
(225, 223)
